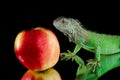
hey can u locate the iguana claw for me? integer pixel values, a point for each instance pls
(67, 55)
(92, 64)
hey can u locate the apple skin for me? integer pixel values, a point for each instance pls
(37, 49)
(49, 74)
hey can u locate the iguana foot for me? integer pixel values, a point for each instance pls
(67, 55)
(92, 64)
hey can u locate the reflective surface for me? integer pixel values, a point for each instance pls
(49, 74)
(67, 69)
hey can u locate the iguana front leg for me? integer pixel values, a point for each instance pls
(70, 55)
(94, 64)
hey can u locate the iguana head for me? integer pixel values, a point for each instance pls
(70, 27)
(66, 25)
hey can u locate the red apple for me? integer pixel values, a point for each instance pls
(49, 74)
(37, 49)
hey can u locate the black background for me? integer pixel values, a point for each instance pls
(99, 18)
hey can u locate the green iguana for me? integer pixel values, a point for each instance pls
(100, 44)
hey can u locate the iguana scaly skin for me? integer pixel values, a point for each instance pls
(100, 44)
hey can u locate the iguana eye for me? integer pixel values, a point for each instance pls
(64, 21)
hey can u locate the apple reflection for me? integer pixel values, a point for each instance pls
(49, 74)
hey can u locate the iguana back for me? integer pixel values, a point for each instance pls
(109, 44)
